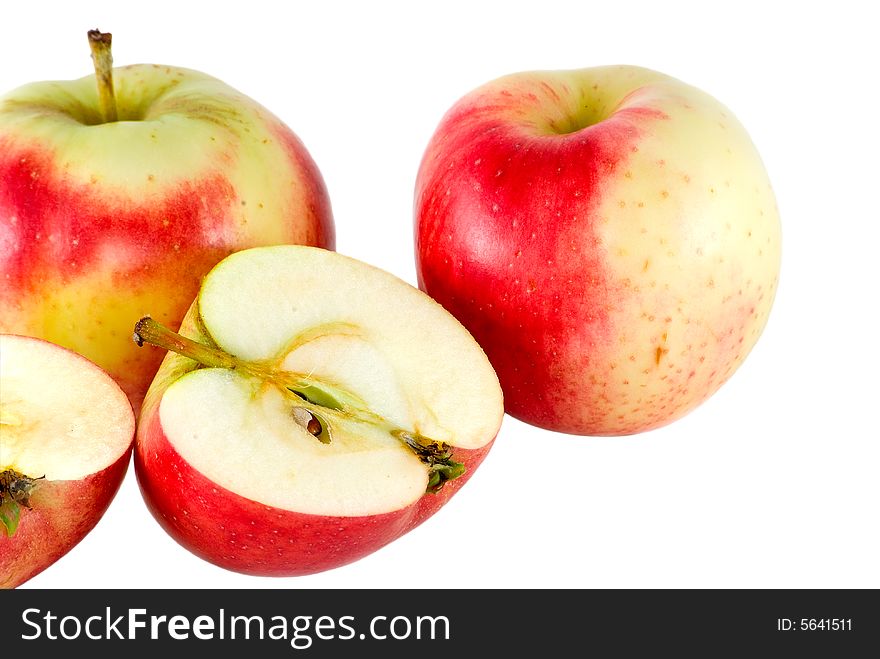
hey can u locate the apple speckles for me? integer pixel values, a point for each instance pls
(627, 217)
(659, 353)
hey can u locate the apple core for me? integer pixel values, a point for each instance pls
(314, 406)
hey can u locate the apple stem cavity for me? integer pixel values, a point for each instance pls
(15, 491)
(315, 405)
(100, 43)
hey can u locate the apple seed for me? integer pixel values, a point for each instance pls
(311, 423)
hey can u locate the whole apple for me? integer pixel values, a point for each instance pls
(608, 235)
(120, 190)
(66, 430)
(313, 409)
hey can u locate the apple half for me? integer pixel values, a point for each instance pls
(312, 409)
(66, 431)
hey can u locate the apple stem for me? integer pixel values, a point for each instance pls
(155, 333)
(100, 43)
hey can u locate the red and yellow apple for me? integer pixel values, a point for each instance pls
(312, 409)
(608, 235)
(115, 203)
(66, 431)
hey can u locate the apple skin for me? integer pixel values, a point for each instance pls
(102, 223)
(246, 536)
(62, 513)
(610, 238)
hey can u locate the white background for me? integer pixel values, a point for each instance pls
(774, 482)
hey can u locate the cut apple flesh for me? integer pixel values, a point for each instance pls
(242, 434)
(344, 365)
(61, 417)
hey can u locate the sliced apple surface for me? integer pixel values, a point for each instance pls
(66, 429)
(314, 383)
(217, 418)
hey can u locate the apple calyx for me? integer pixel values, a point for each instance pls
(15, 492)
(437, 455)
(100, 44)
(315, 405)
